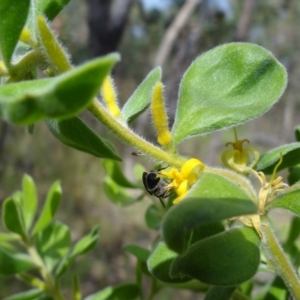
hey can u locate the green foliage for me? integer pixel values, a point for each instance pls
(49, 209)
(291, 157)
(159, 264)
(227, 86)
(141, 98)
(214, 235)
(14, 263)
(84, 140)
(228, 258)
(51, 8)
(13, 17)
(121, 292)
(60, 97)
(219, 293)
(287, 200)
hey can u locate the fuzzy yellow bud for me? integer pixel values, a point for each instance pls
(27, 38)
(159, 116)
(109, 96)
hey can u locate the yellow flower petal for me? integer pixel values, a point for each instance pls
(192, 169)
(182, 188)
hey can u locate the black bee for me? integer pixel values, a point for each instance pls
(156, 186)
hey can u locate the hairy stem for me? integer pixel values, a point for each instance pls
(278, 258)
(128, 136)
(51, 286)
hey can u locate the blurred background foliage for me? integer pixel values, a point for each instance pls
(146, 33)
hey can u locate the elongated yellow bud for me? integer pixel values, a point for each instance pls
(110, 96)
(159, 116)
(27, 38)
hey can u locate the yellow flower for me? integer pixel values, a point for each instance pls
(182, 180)
(240, 159)
(266, 194)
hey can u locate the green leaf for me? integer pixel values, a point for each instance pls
(288, 199)
(51, 8)
(60, 97)
(291, 157)
(29, 200)
(159, 263)
(217, 195)
(226, 259)
(141, 97)
(153, 217)
(297, 133)
(28, 295)
(294, 174)
(87, 243)
(290, 244)
(221, 183)
(220, 293)
(119, 292)
(12, 217)
(226, 86)
(13, 17)
(84, 245)
(197, 218)
(7, 237)
(140, 253)
(49, 209)
(274, 290)
(117, 194)
(116, 173)
(74, 133)
(11, 264)
(53, 243)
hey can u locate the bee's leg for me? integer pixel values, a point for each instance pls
(162, 202)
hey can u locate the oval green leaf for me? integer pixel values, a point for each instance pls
(220, 293)
(120, 292)
(84, 245)
(197, 218)
(74, 133)
(117, 194)
(53, 243)
(13, 17)
(291, 157)
(140, 253)
(28, 295)
(29, 200)
(288, 199)
(60, 97)
(11, 264)
(13, 218)
(226, 86)
(141, 97)
(153, 217)
(116, 173)
(225, 259)
(49, 209)
(159, 263)
(51, 8)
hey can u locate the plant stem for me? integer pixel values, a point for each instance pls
(51, 286)
(153, 289)
(278, 258)
(125, 134)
